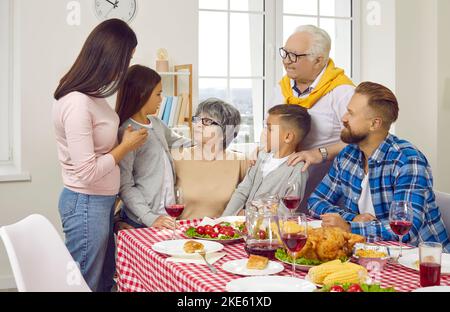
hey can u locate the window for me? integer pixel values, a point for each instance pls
(10, 166)
(335, 16)
(5, 78)
(231, 58)
(239, 42)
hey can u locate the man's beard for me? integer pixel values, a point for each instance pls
(350, 138)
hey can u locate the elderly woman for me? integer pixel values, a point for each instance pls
(208, 173)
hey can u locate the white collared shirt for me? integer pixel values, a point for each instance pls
(326, 114)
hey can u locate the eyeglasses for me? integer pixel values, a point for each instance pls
(205, 121)
(292, 56)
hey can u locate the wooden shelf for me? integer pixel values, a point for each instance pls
(182, 72)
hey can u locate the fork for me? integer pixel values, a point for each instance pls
(203, 255)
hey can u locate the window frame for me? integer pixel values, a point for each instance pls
(355, 35)
(11, 169)
(273, 39)
(258, 114)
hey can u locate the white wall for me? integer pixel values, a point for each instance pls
(408, 52)
(378, 42)
(443, 93)
(416, 74)
(48, 48)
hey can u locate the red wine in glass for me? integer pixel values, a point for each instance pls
(294, 242)
(293, 238)
(400, 220)
(430, 274)
(263, 249)
(400, 227)
(174, 210)
(291, 202)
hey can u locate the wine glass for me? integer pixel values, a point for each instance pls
(293, 231)
(400, 220)
(291, 198)
(174, 207)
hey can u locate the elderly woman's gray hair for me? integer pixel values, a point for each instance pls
(225, 114)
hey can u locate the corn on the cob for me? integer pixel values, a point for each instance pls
(355, 267)
(319, 273)
(337, 261)
(343, 276)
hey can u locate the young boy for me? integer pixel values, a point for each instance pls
(287, 126)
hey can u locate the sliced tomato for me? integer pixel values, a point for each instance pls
(337, 288)
(355, 288)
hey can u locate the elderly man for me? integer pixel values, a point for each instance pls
(375, 169)
(313, 82)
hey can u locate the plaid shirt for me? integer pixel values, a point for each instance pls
(397, 171)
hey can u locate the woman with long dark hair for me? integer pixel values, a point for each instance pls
(86, 130)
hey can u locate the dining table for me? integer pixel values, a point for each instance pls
(141, 269)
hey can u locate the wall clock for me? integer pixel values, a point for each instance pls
(123, 9)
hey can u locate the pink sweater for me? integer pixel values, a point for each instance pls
(86, 131)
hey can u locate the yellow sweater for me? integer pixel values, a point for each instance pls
(331, 79)
(208, 185)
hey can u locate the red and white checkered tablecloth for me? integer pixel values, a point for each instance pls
(141, 269)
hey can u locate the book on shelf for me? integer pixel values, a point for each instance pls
(177, 112)
(173, 110)
(183, 109)
(167, 110)
(162, 107)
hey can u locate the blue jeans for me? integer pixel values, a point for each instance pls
(125, 218)
(87, 222)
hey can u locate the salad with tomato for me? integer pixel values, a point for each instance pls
(221, 231)
(357, 288)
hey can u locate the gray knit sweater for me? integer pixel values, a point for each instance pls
(142, 171)
(275, 183)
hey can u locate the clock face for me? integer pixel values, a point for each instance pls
(122, 9)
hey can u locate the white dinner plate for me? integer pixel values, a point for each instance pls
(394, 251)
(412, 261)
(232, 219)
(239, 267)
(301, 267)
(315, 224)
(270, 284)
(175, 247)
(212, 222)
(307, 278)
(396, 247)
(222, 241)
(433, 289)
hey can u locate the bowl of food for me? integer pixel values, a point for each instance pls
(371, 257)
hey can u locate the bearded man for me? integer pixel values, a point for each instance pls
(375, 170)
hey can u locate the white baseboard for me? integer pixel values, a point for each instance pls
(7, 282)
